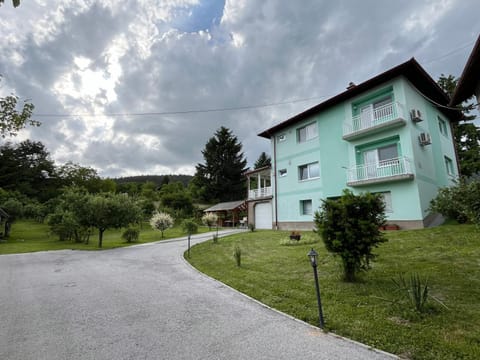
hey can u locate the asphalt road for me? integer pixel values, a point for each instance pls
(143, 302)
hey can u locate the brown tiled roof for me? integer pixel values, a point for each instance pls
(410, 69)
(469, 78)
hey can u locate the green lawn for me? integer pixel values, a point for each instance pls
(30, 236)
(370, 311)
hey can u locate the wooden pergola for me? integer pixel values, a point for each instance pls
(228, 212)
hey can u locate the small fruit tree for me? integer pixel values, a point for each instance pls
(210, 219)
(161, 221)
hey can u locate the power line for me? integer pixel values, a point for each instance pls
(449, 53)
(180, 112)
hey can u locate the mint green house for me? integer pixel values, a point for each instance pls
(387, 135)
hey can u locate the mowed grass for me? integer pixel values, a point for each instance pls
(30, 236)
(370, 311)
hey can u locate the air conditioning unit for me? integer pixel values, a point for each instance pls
(424, 139)
(416, 115)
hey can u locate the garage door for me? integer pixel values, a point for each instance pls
(263, 216)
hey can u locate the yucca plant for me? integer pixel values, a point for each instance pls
(237, 254)
(416, 291)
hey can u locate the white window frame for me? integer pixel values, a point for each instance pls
(302, 207)
(311, 132)
(449, 166)
(442, 125)
(387, 200)
(309, 171)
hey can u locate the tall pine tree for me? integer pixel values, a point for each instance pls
(220, 178)
(262, 161)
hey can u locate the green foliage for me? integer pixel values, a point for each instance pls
(111, 211)
(189, 227)
(12, 119)
(460, 202)
(237, 255)
(210, 219)
(414, 290)
(65, 225)
(349, 228)
(220, 178)
(161, 221)
(215, 238)
(131, 234)
(263, 161)
(26, 167)
(251, 227)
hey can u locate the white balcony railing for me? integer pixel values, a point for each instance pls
(374, 117)
(260, 193)
(387, 169)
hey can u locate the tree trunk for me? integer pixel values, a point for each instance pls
(8, 226)
(100, 237)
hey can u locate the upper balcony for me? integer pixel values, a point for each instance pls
(384, 171)
(259, 183)
(372, 120)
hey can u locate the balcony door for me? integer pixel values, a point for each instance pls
(382, 161)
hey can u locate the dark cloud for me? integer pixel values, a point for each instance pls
(258, 53)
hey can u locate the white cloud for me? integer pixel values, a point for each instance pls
(81, 57)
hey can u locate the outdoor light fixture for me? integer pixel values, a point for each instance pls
(313, 256)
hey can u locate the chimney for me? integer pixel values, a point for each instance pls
(351, 85)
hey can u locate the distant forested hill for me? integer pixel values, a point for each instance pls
(157, 179)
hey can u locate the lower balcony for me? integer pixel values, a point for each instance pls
(383, 171)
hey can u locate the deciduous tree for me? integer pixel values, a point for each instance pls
(13, 117)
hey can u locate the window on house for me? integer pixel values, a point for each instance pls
(306, 133)
(306, 207)
(387, 200)
(381, 156)
(281, 138)
(449, 166)
(282, 172)
(309, 171)
(442, 125)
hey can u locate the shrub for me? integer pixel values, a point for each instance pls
(210, 219)
(251, 227)
(131, 234)
(161, 221)
(460, 202)
(349, 227)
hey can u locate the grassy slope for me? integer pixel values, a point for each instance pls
(281, 276)
(29, 236)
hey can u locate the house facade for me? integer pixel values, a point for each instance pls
(386, 135)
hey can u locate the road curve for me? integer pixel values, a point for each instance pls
(144, 302)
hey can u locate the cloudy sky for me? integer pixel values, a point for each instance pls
(138, 87)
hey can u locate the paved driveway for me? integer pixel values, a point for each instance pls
(143, 302)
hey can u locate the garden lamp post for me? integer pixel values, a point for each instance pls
(313, 255)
